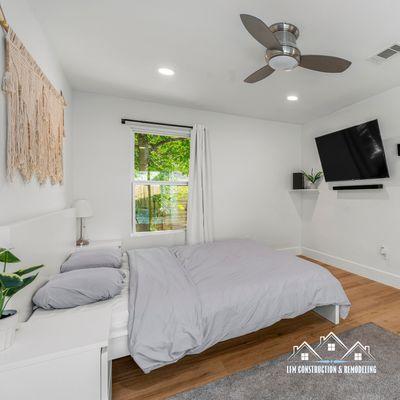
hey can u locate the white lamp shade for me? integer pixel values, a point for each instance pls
(83, 209)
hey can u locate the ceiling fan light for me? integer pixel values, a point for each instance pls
(282, 54)
(283, 63)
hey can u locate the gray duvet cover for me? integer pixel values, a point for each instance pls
(185, 299)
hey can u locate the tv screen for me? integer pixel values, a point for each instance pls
(353, 153)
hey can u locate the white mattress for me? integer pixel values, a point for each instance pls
(120, 313)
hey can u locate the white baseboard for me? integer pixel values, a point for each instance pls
(378, 275)
(291, 250)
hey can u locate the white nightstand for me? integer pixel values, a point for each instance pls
(96, 244)
(60, 356)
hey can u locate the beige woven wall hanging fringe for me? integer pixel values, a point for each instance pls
(35, 114)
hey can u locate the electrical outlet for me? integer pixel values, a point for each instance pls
(383, 251)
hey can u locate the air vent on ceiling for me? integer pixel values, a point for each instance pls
(384, 55)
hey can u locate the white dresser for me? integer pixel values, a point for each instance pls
(62, 356)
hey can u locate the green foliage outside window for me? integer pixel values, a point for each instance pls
(160, 158)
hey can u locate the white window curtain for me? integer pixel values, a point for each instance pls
(199, 216)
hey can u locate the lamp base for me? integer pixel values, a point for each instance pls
(82, 242)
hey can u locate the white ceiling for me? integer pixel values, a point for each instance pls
(115, 47)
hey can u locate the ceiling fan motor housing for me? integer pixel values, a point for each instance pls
(288, 57)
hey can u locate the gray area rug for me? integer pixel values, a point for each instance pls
(270, 380)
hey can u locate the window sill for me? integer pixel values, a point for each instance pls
(156, 233)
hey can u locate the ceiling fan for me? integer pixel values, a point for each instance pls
(282, 52)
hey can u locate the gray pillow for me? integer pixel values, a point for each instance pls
(80, 287)
(110, 257)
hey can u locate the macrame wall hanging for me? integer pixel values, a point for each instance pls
(35, 117)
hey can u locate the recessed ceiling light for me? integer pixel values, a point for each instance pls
(292, 97)
(166, 71)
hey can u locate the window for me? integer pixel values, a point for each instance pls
(160, 180)
(331, 346)
(304, 356)
(357, 356)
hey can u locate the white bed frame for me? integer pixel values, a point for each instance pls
(118, 341)
(331, 313)
(48, 239)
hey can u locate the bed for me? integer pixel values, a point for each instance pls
(227, 274)
(184, 299)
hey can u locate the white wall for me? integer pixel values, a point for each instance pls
(252, 162)
(19, 200)
(347, 228)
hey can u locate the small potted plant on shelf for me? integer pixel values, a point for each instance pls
(10, 284)
(312, 180)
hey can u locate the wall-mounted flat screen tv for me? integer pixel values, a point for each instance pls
(353, 153)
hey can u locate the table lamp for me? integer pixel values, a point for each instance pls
(82, 210)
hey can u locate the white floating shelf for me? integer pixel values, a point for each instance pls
(304, 190)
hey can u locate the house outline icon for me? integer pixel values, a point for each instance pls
(328, 337)
(299, 349)
(362, 349)
(364, 352)
(331, 348)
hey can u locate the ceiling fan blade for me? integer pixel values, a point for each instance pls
(259, 74)
(260, 32)
(324, 63)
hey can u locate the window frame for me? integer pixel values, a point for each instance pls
(182, 133)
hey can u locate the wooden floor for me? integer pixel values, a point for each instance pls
(371, 302)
